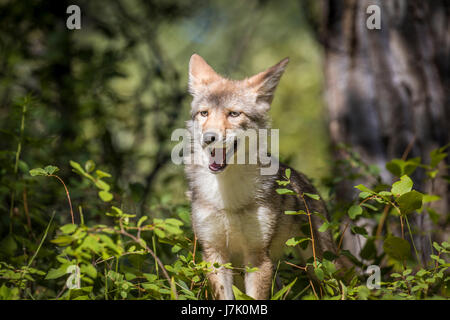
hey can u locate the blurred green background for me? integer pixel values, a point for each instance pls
(115, 90)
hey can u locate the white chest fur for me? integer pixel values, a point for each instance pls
(232, 189)
(229, 218)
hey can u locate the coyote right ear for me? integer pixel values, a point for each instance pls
(265, 83)
(200, 74)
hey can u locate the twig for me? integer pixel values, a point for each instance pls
(412, 241)
(16, 164)
(61, 292)
(296, 266)
(67, 193)
(311, 230)
(25, 208)
(402, 227)
(42, 240)
(382, 220)
(161, 265)
(408, 148)
(342, 238)
(314, 290)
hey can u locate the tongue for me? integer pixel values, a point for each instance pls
(216, 164)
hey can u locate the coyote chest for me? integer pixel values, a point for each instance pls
(229, 217)
(233, 190)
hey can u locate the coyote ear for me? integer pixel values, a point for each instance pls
(200, 74)
(265, 83)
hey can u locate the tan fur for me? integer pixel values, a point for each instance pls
(237, 215)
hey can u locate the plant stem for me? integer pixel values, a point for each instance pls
(161, 265)
(382, 220)
(67, 193)
(311, 230)
(342, 238)
(42, 240)
(16, 164)
(412, 240)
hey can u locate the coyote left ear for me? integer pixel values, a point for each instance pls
(265, 83)
(200, 74)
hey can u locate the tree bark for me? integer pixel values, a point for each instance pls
(387, 90)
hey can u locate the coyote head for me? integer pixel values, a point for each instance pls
(221, 107)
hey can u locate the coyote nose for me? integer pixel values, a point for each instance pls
(209, 137)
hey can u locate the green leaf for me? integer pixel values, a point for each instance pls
(150, 286)
(354, 211)
(329, 266)
(319, 273)
(410, 201)
(430, 198)
(359, 230)
(285, 191)
(130, 276)
(395, 166)
(102, 185)
(385, 194)
(320, 215)
(77, 167)
(101, 174)
(371, 207)
(437, 156)
(63, 240)
(51, 169)
(324, 227)
(239, 295)
(280, 293)
(56, 273)
(312, 196)
(292, 242)
(142, 220)
(89, 270)
(397, 248)
(399, 167)
(23, 166)
(251, 269)
(422, 272)
(295, 212)
(364, 194)
(150, 277)
(8, 245)
(174, 222)
(369, 251)
(364, 188)
(288, 173)
(159, 233)
(68, 228)
(89, 166)
(105, 196)
(38, 172)
(402, 186)
(434, 216)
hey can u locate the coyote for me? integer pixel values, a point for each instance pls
(237, 215)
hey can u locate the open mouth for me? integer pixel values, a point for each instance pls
(218, 157)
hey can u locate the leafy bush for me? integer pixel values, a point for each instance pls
(75, 238)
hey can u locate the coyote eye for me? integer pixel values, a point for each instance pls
(234, 114)
(204, 113)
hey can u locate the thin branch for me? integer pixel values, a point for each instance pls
(67, 193)
(296, 266)
(138, 240)
(342, 238)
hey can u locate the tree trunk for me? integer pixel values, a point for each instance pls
(387, 90)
